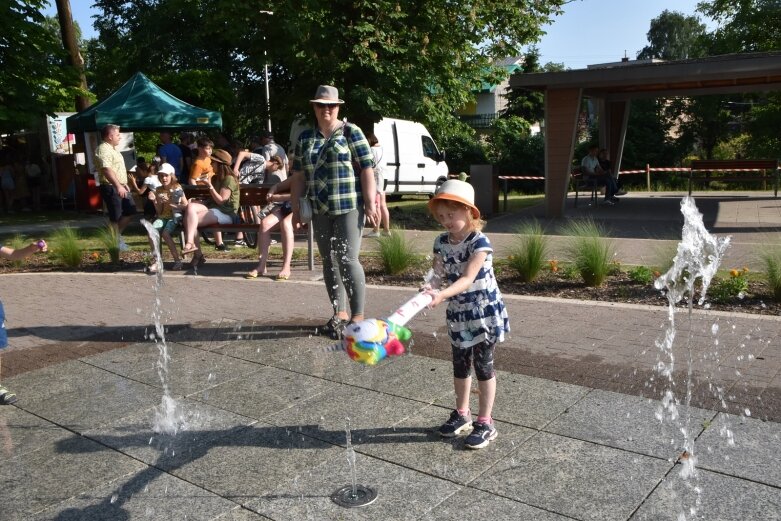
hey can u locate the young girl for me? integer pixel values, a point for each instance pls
(476, 316)
(6, 396)
(169, 201)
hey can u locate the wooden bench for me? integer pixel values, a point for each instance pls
(767, 168)
(581, 183)
(249, 195)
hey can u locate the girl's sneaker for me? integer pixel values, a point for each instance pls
(482, 435)
(6, 396)
(333, 329)
(455, 425)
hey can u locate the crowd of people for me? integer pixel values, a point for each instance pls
(21, 181)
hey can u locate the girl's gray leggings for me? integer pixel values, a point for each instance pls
(339, 242)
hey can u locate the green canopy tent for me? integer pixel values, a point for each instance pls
(141, 105)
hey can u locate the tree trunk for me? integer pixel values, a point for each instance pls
(74, 55)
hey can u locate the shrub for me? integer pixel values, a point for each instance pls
(735, 286)
(772, 259)
(641, 275)
(589, 251)
(109, 239)
(66, 248)
(396, 252)
(527, 256)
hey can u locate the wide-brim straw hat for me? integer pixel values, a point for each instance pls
(327, 94)
(222, 156)
(458, 191)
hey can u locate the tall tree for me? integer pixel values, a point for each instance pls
(33, 81)
(389, 57)
(674, 36)
(744, 25)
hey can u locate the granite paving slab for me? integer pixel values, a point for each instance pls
(575, 478)
(413, 377)
(56, 472)
(150, 495)
(629, 422)
(58, 379)
(402, 494)
(201, 424)
(721, 497)
(93, 406)
(413, 443)
(241, 514)
(316, 360)
(269, 351)
(469, 503)
(197, 371)
(138, 358)
(22, 433)
(249, 462)
(373, 416)
(266, 392)
(741, 447)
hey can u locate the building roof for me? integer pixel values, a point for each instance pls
(729, 73)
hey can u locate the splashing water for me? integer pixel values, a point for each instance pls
(697, 258)
(351, 457)
(168, 418)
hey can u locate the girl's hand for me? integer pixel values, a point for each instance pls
(436, 297)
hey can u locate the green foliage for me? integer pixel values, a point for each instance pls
(743, 25)
(641, 275)
(65, 247)
(732, 147)
(34, 81)
(771, 257)
(529, 254)
(388, 57)
(462, 144)
(674, 36)
(396, 252)
(109, 239)
(589, 250)
(724, 290)
(764, 139)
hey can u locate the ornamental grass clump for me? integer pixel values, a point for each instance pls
(589, 251)
(65, 247)
(528, 255)
(18, 242)
(771, 258)
(109, 239)
(396, 252)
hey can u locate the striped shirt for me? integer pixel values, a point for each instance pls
(333, 186)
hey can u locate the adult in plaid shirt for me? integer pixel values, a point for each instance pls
(332, 165)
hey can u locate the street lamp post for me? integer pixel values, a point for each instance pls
(265, 75)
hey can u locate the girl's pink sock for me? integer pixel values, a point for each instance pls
(484, 420)
(463, 412)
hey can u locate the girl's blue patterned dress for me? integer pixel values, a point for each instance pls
(477, 314)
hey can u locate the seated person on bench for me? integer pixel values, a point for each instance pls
(607, 166)
(221, 208)
(590, 168)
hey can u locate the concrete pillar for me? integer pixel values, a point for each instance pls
(486, 185)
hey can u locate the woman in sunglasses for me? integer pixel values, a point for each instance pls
(332, 170)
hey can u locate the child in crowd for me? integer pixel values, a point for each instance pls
(6, 396)
(169, 201)
(202, 166)
(144, 181)
(476, 315)
(379, 180)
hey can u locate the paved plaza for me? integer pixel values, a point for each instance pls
(584, 432)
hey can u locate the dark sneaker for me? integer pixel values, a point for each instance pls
(455, 425)
(6, 396)
(482, 435)
(221, 247)
(333, 329)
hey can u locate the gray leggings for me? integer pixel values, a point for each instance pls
(339, 242)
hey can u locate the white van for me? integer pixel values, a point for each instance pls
(412, 163)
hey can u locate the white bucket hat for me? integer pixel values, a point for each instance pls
(458, 191)
(327, 94)
(166, 168)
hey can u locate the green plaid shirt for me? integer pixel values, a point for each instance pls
(333, 186)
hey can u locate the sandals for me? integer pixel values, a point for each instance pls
(281, 277)
(7, 397)
(187, 251)
(198, 260)
(334, 328)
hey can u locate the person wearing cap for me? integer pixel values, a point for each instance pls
(169, 202)
(222, 207)
(476, 316)
(114, 189)
(340, 196)
(271, 149)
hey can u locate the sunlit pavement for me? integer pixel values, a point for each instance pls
(263, 408)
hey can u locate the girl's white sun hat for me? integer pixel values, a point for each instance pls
(458, 191)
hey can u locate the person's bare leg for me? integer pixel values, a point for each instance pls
(486, 398)
(462, 387)
(286, 230)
